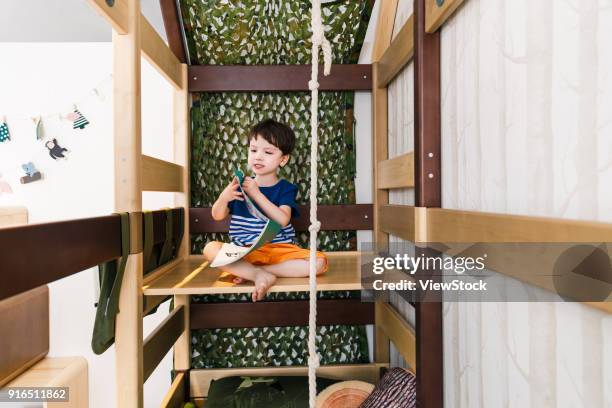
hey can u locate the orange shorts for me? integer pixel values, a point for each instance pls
(271, 254)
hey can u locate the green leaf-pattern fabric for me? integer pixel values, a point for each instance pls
(249, 32)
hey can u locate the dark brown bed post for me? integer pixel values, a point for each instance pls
(427, 132)
(170, 14)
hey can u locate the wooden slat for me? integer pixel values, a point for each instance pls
(437, 15)
(397, 55)
(193, 276)
(344, 217)
(73, 246)
(117, 15)
(182, 150)
(128, 198)
(200, 379)
(455, 226)
(384, 28)
(159, 55)
(70, 372)
(170, 15)
(24, 324)
(380, 151)
(280, 313)
(470, 226)
(398, 220)
(427, 118)
(13, 216)
(160, 341)
(382, 349)
(156, 273)
(398, 331)
(174, 398)
(403, 221)
(428, 193)
(153, 47)
(277, 78)
(160, 175)
(128, 337)
(382, 40)
(182, 347)
(580, 277)
(397, 172)
(151, 302)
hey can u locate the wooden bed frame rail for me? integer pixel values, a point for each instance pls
(37, 254)
(341, 217)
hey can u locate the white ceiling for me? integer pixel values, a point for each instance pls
(63, 21)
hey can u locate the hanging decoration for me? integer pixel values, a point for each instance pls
(31, 173)
(5, 135)
(55, 150)
(5, 188)
(78, 120)
(40, 128)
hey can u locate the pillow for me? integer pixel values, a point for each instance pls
(397, 389)
(345, 394)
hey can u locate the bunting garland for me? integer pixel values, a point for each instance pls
(46, 134)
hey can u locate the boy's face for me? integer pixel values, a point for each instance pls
(264, 157)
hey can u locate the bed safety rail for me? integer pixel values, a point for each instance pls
(37, 254)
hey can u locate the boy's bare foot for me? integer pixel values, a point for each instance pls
(263, 281)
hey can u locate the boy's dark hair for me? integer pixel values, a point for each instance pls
(276, 133)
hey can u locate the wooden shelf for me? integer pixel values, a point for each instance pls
(193, 277)
(68, 372)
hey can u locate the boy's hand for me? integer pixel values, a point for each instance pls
(250, 187)
(231, 193)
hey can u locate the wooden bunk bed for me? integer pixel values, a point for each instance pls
(418, 41)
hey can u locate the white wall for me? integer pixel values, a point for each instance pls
(527, 122)
(526, 129)
(47, 79)
(63, 20)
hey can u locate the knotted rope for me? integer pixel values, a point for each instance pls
(318, 41)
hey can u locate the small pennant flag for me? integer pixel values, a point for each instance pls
(80, 121)
(5, 188)
(40, 128)
(5, 135)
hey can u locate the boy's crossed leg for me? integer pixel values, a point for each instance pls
(263, 276)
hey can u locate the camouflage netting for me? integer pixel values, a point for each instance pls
(272, 32)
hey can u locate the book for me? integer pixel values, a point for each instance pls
(230, 253)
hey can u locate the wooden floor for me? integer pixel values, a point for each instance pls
(193, 276)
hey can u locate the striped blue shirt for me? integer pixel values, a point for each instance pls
(245, 228)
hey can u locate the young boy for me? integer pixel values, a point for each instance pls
(270, 144)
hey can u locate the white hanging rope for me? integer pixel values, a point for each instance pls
(318, 41)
